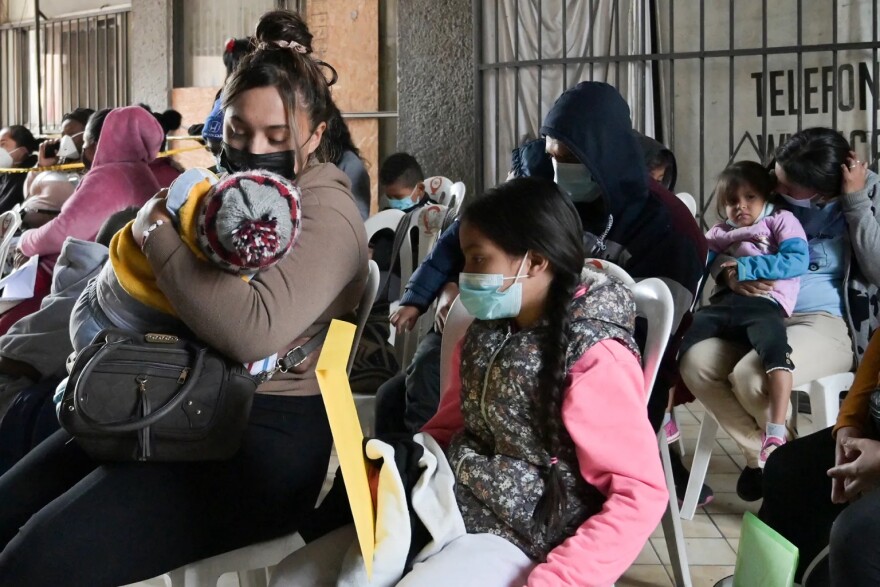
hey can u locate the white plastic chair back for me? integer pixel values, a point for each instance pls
(689, 201)
(429, 223)
(364, 308)
(439, 189)
(458, 320)
(10, 222)
(612, 270)
(654, 303)
(386, 219)
(459, 190)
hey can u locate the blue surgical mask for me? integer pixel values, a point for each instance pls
(575, 180)
(401, 204)
(479, 292)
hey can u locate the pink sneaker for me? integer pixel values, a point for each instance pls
(672, 431)
(768, 445)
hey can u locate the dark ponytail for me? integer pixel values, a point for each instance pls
(532, 214)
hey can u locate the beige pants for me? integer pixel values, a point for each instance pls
(729, 378)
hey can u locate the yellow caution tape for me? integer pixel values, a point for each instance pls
(73, 166)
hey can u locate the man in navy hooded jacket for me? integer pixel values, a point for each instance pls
(629, 218)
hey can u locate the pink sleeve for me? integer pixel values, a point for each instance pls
(81, 217)
(448, 419)
(717, 238)
(785, 226)
(605, 412)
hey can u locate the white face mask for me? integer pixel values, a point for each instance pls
(575, 180)
(6, 161)
(67, 148)
(808, 203)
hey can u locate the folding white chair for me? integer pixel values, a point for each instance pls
(654, 303)
(439, 189)
(824, 403)
(10, 222)
(365, 402)
(459, 190)
(689, 201)
(457, 322)
(429, 223)
(252, 562)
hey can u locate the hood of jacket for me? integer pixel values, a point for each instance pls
(593, 120)
(129, 135)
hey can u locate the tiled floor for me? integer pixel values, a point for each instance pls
(711, 538)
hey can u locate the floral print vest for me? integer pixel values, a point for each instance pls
(499, 459)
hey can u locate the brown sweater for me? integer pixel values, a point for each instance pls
(322, 278)
(855, 410)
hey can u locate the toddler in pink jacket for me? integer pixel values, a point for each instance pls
(768, 244)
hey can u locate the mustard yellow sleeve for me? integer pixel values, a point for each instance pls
(855, 409)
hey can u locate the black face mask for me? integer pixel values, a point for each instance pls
(234, 160)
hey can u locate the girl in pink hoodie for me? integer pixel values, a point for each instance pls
(557, 472)
(118, 147)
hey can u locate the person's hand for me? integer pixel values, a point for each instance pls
(862, 472)
(19, 259)
(855, 174)
(842, 457)
(755, 288)
(444, 302)
(151, 212)
(404, 319)
(42, 159)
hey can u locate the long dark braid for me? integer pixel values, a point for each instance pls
(551, 380)
(530, 214)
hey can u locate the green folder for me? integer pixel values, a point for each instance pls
(764, 557)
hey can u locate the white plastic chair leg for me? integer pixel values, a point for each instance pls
(699, 466)
(671, 522)
(825, 398)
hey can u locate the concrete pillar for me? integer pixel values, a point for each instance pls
(151, 52)
(436, 91)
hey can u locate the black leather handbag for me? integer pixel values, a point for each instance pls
(157, 397)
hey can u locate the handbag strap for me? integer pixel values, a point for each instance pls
(153, 417)
(295, 356)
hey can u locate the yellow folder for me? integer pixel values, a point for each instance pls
(347, 435)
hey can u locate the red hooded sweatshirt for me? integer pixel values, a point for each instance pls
(120, 177)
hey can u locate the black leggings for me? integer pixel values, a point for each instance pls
(67, 520)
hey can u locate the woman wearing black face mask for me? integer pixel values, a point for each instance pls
(276, 105)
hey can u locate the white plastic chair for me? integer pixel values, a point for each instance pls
(252, 563)
(459, 190)
(429, 223)
(365, 402)
(824, 403)
(457, 322)
(10, 222)
(689, 201)
(386, 219)
(439, 189)
(654, 303)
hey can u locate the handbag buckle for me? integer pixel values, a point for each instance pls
(294, 358)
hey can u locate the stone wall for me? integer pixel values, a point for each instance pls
(436, 93)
